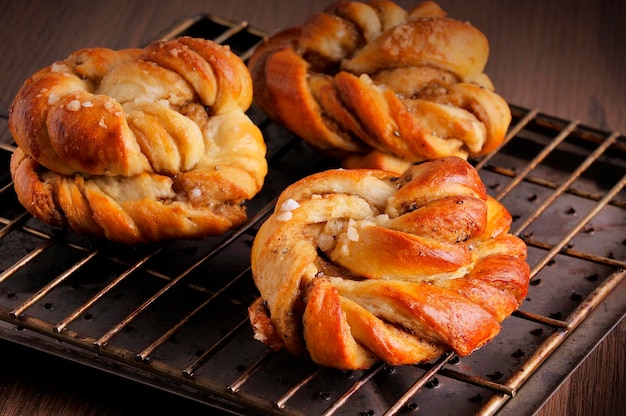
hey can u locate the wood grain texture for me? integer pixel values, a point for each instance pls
(564, 58)
(596, 387)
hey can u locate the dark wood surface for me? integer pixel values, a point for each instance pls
(564, 58)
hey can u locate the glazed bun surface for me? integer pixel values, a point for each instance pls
(356, 266)
(139, 145)
(381, 87)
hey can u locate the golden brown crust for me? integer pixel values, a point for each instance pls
(139, 145)
(358, 265)
(362, 78)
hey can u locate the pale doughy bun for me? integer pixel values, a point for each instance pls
(382, 87)
(139, 145)
(356, 266)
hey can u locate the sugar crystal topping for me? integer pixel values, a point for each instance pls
(73, 105)
(286, 208)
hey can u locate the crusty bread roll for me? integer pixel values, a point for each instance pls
(356, 266)
(139, 145)
(381, 87)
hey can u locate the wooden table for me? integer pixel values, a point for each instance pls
(564, 58)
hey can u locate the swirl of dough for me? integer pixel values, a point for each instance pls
(356, 266)
(381, 87)
(139, 145)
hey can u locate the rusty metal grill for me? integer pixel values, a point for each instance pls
(174, 315)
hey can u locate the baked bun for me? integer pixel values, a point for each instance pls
(356, 266)
(139, 145)
(380, 87)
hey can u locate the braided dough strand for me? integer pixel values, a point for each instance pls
(139, 145)
(356, 266)
(381, 87)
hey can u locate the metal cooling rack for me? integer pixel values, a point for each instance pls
(174, 315)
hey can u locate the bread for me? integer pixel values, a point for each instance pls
(355, 266)
(381, 87)
(139, 145)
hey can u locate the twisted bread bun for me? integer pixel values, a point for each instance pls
(139, 145)
(356, 266)
(380, 87)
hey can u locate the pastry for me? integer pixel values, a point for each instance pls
(358, 265)
(139, 145)
(381, 87)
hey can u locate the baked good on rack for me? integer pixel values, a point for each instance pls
(382, 87)
(356, 266)
(139, 145)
